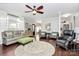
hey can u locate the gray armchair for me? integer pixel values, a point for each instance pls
(65, 40)
(42, 34)
(54, 34)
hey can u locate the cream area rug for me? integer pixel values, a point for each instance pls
(37, 48)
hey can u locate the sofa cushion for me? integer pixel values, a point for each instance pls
(65, 37)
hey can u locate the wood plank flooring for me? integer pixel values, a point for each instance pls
(9, 50)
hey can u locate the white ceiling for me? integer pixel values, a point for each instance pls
(50, 9)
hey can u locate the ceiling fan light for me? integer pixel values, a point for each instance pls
(34, 12)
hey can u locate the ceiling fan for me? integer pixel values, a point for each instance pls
(35, 10)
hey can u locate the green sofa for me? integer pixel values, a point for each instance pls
(25, 40)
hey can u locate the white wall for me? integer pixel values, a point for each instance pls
(77, 19)
(29, 20)
(54, 23)
(76, 22)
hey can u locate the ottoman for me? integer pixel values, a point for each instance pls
(25, 40)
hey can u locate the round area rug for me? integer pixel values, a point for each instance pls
(37, 48)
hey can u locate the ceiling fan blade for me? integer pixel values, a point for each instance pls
(27, 11)
(40, 7)
(29, 7)
(40, 12)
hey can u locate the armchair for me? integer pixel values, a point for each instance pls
(42, 34)
(54, 35)
(66, 39)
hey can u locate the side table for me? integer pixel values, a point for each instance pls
(76, 45)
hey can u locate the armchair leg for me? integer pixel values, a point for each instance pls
(66, 48)
(57, 45)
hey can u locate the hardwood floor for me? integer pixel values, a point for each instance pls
(9, 50)
(0, 49)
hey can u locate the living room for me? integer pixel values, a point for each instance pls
(25, 31)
